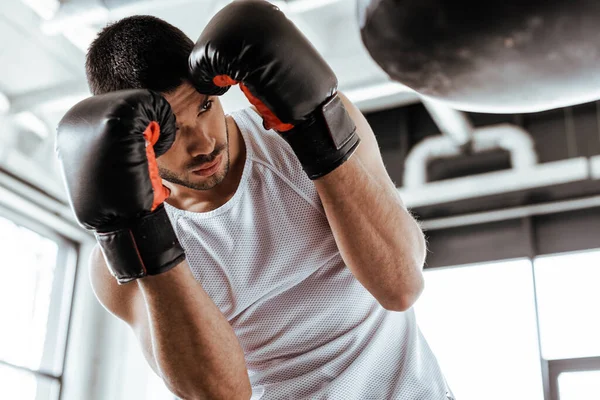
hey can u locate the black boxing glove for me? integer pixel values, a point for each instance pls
(107, 146)
(252, 42)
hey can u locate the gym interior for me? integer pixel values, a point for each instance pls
(503, 178)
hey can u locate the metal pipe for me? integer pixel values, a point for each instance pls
(428, 149)
(511, 138)
(511, 213)
(451, 122)
(503, 136)
(496, 183)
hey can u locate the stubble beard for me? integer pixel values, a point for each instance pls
(211, 181)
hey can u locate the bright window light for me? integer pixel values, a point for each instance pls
(29, 261)
(568, 299)
(17, 384)
(480, 323)
(579, 385)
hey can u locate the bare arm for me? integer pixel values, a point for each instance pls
(379, 240)
(184, 336)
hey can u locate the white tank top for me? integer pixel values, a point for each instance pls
(308, 328)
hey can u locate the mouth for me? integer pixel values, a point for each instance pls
(209, 169)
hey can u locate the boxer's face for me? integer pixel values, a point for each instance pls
(199, 157)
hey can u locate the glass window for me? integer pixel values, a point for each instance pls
(17, 384)
(568, 303)
(35, 295)
(25, 291)
(480, 322)
(22, 385)
(579, 385)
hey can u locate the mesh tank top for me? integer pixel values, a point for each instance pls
(308, 328)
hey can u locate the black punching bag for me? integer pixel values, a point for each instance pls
(496, 56)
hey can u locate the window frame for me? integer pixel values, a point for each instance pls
(535, 232)
(46, 215)
(557, 367)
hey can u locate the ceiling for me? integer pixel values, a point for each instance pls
(44, 47)
(42, 69)
(43, 52)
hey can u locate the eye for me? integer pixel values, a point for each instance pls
(206, 106)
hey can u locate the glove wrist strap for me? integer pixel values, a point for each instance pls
(325, 140)
(147, 247)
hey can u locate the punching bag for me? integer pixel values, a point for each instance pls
(494, 56)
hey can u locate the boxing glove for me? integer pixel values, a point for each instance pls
(107, 147)
(253, 43)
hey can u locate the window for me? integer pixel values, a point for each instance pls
(569, 302)
(35, 296)
(579, 385)
(522, 329)
(480, 322)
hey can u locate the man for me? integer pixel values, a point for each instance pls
(287, 266)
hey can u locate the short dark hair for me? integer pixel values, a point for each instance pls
(138, 52)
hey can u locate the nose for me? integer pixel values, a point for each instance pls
(197, 140)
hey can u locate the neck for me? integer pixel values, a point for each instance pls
(207, 200)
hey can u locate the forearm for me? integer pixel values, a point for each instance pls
(195, 349)
(378, 239)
